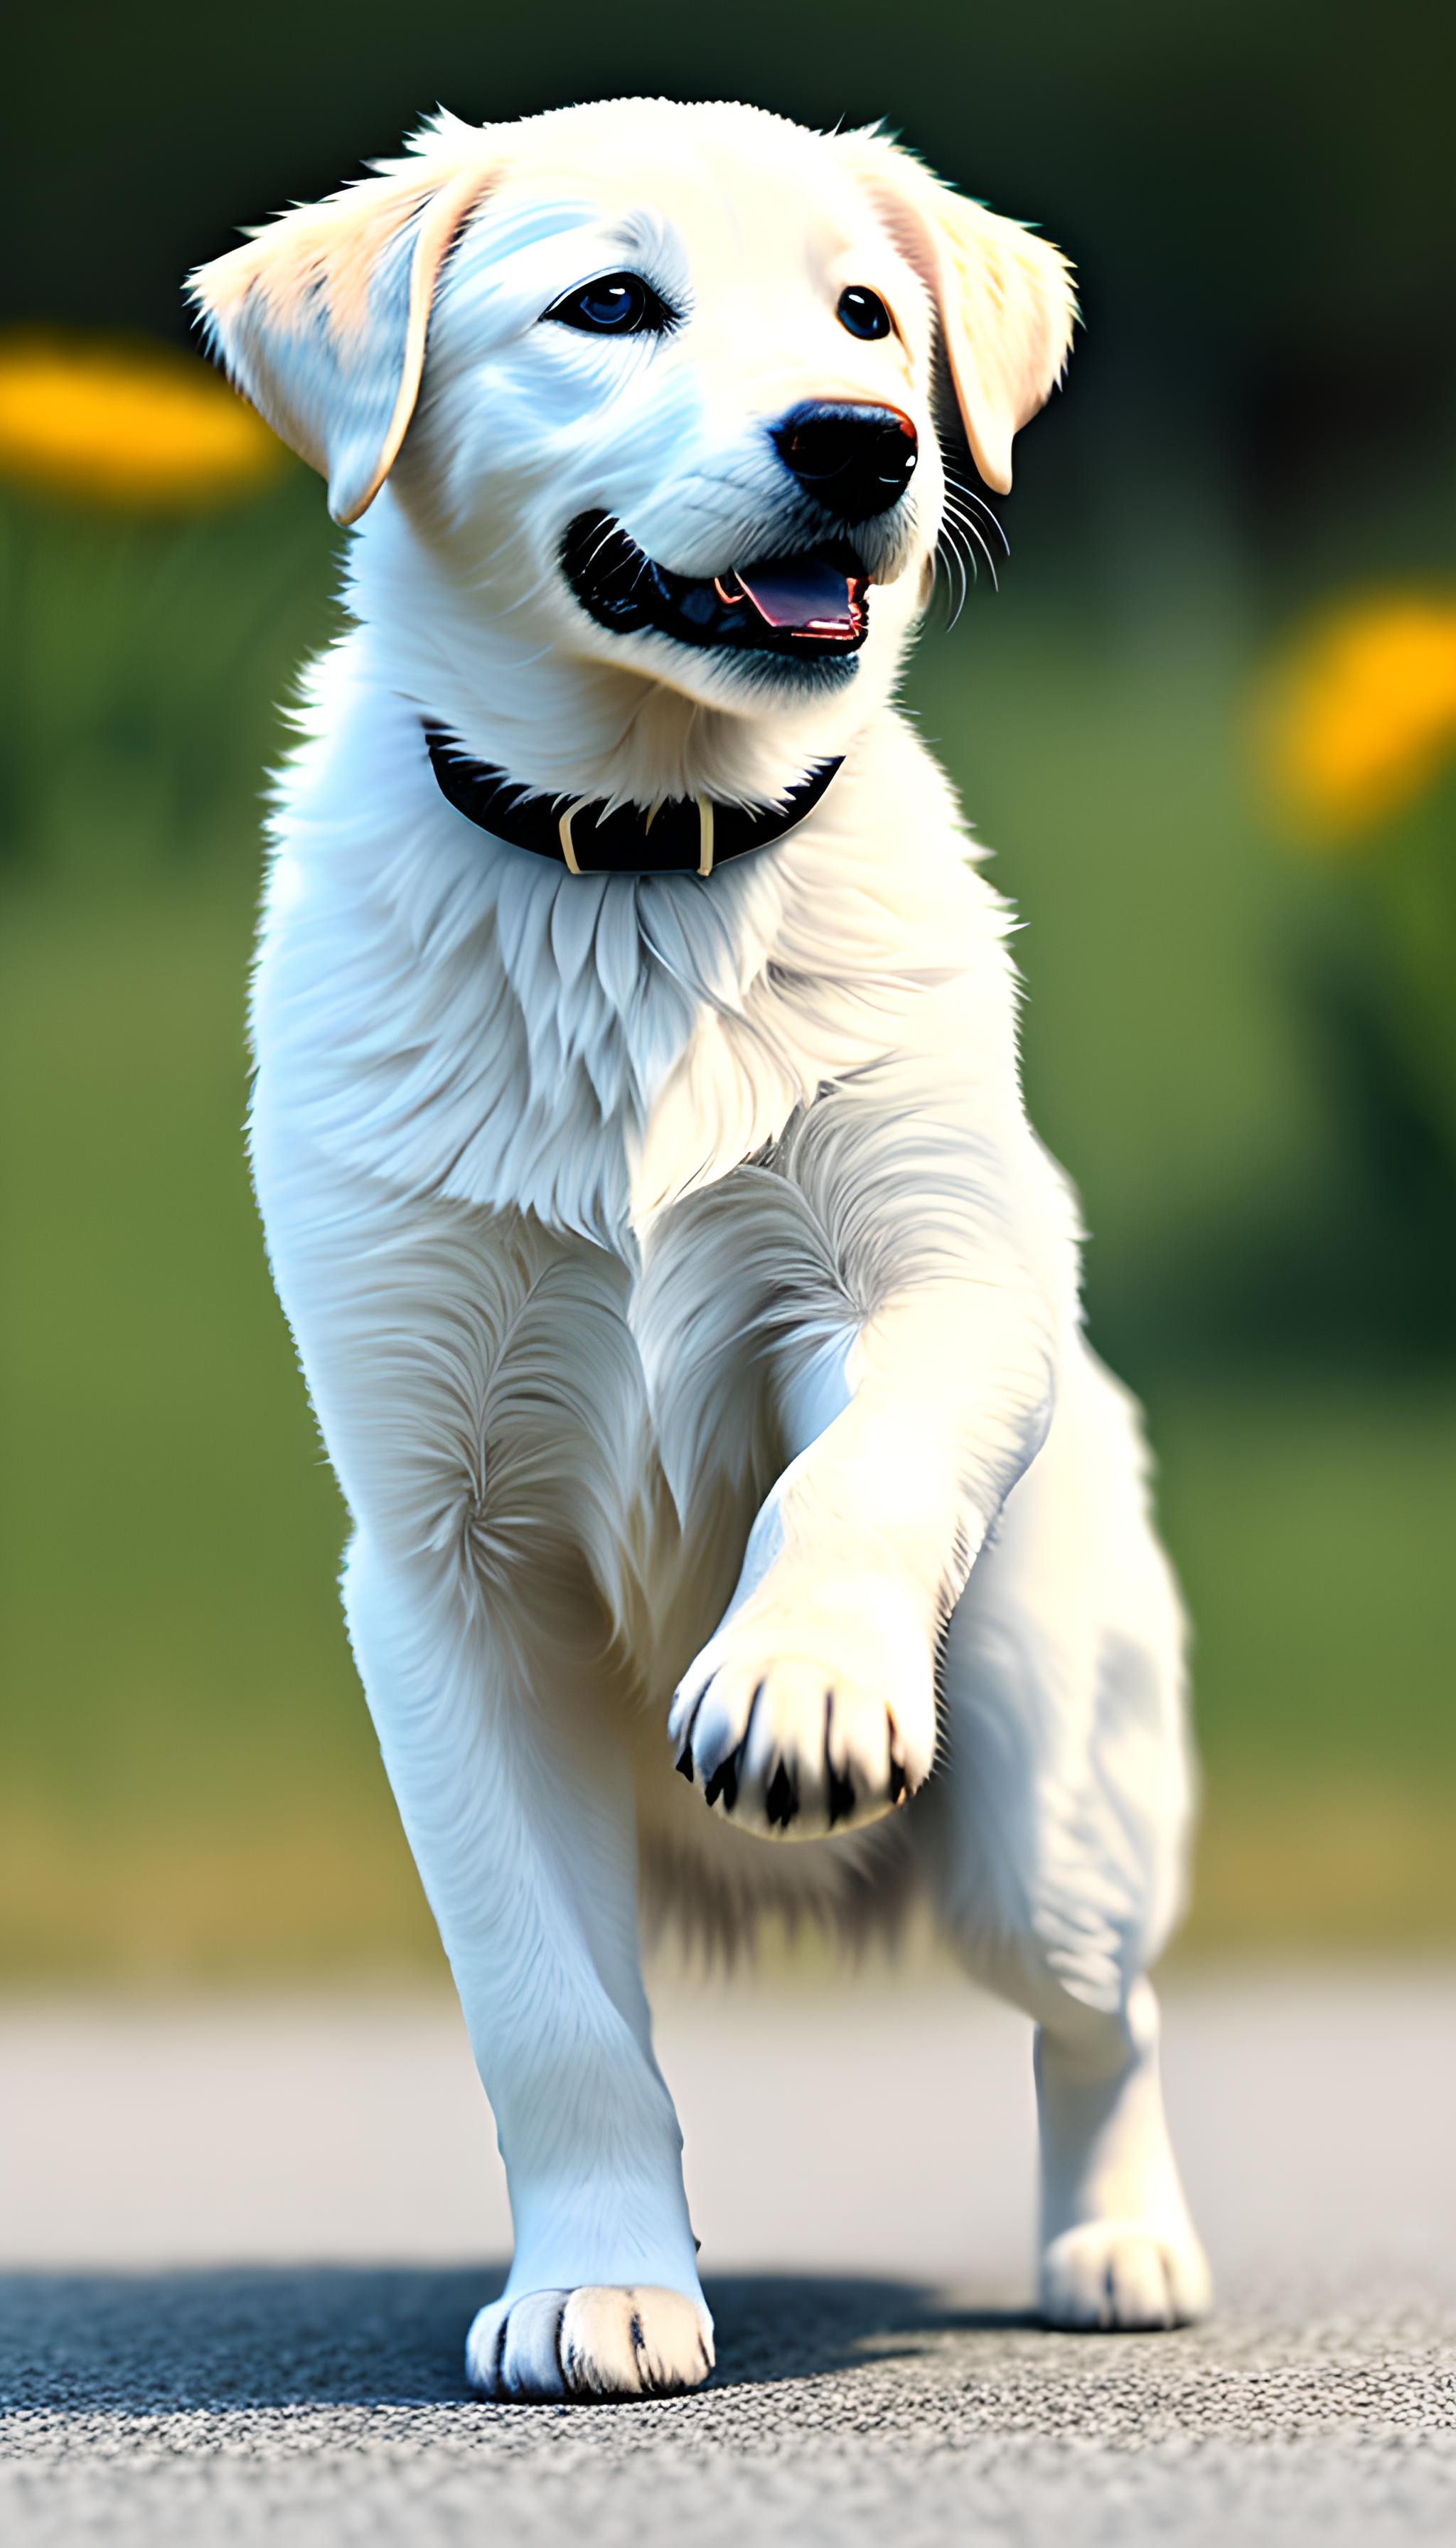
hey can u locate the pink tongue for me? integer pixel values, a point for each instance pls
(802, 592)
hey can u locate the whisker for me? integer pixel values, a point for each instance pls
(948, 551)
(973, 532)
(969, 496)
(608, 533)
(987, 554)
(956, 592)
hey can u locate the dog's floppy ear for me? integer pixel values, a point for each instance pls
(1004, 296)
(321, 318)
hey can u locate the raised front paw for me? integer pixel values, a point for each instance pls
(812, 1710)
(601, 2341)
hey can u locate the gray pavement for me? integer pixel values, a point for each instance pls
(243, 2242)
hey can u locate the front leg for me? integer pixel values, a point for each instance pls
(813, 1707)
(479, 1393)
(516, 1800)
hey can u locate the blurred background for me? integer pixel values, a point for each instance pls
(1207, 723)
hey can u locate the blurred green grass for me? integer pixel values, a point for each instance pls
(187, 1779)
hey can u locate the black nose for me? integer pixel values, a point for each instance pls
(857, 460)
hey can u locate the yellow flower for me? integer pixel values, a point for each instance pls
(1363, 714)
(140, 425)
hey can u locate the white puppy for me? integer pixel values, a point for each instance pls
(687, 1305)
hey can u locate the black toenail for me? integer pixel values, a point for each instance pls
(723, 1782)
(897, 1780)
(841, 1796)
(684, 1757)
(782, 1799)
(725, 1778)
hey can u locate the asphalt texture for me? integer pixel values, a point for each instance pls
(242, 2244)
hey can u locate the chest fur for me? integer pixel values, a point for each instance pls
(463, 1019)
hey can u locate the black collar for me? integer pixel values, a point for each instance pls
(689, 834)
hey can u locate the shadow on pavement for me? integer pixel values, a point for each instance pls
(791, 2326)
(260, 2336)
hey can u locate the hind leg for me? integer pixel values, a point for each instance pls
(1118, 2246)
(1054, 1842)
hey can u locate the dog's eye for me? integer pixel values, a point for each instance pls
(862, 312)
(615, 305)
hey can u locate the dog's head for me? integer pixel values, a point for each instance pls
(653, 384)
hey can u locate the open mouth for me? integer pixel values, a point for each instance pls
(811, 605)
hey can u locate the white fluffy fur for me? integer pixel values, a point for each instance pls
(648, 1237)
